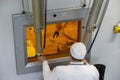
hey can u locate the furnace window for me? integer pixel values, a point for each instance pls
(57, 41)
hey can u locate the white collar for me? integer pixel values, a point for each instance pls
(76, 63)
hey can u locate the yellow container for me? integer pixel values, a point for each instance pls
(116, 29)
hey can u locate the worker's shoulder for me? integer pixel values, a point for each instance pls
(81, 66)
(69, 66)
(91, 67)
(60, 68)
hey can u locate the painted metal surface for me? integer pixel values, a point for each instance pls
(21, 20)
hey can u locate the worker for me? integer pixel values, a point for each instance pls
(78, 69)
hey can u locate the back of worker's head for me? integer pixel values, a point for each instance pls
(78, 50)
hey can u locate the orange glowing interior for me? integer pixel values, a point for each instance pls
(57, 41)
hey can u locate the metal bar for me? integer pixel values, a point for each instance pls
(97, 4)
(38, 12)
(39, 21)
(45, 21)
(104, 7)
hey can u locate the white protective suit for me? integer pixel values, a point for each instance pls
(74, 71)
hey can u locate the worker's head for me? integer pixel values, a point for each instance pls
(78, 51)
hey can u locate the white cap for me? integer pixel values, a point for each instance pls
(78, 50)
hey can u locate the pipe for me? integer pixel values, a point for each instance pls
(104, 7)
(39, 22)
(92, 20)
(99, 22)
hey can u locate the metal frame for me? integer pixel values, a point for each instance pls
(19, 23)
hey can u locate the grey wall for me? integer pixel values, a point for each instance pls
(106, 49)
(107, 46)
(55, 4)
(7, 52)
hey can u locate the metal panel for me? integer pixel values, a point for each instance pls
(20, 49)
(21, 20)
(66, 14)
